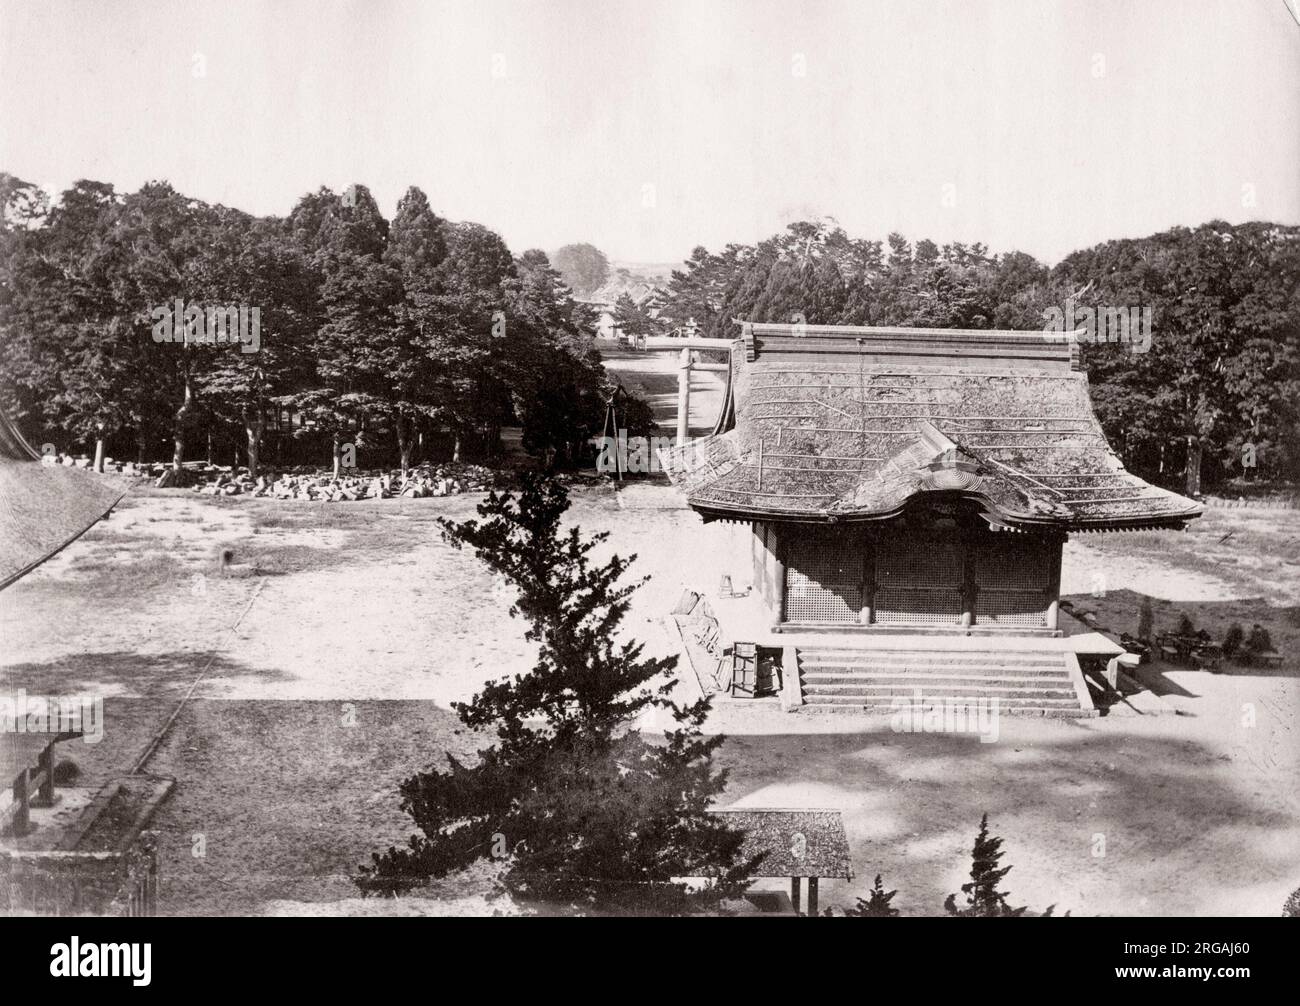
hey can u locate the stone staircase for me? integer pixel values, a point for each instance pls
(1025, 682)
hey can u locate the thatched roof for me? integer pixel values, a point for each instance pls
(797, 843)
(42, 507)
(848, 423)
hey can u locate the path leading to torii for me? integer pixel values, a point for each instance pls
(653, 377)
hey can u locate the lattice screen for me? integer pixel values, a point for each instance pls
(823, 579)
(900, 606)
(920, 583)
(1011, 607)
(1014, 581)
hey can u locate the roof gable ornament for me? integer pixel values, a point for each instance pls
(948, 467)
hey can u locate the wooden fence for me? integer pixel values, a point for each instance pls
(30, 787)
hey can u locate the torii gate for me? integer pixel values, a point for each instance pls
(684, 368)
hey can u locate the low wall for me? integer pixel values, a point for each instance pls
(48, 882)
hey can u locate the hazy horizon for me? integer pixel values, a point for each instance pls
(647, 129)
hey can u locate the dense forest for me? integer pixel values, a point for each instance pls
(367, 327)
(386, 334)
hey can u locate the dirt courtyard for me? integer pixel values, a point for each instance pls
(327, 670)
(324, 669)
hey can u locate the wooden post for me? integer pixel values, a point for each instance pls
(22, 798)
(969, 590)
(778, 573)
(45, 766)
(812, 897)
(794, 894)
(683, 397)
(868, 585)
(1054, 589)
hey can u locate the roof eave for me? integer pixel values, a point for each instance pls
(990, 510)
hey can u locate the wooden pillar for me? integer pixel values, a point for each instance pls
(22, 798)
(45, 792)
(812, 897)
(868, 583)
(778, 574)
(969, 590)
(794, 894)
(1054, 588)
(683, 397)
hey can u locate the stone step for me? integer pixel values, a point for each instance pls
(926, 679)
(955, 699)
(934, 671)
(909, 684)
(1004, 696)
(1011, 709)
(1025, 682)
(973, 654)
(880, 659)
(971, 671)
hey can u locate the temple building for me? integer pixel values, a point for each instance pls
(909, 493)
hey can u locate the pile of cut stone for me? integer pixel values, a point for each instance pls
(322, 487)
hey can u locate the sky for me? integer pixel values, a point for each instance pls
(651, 127)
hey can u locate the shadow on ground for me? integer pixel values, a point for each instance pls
(1093, 822)
(126, 673)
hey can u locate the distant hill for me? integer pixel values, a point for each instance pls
(633, 278)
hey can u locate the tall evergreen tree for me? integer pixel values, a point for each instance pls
(417, 247)
(581, 808)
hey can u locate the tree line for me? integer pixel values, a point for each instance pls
(368, 327)
(393, 330)
(1216, 391)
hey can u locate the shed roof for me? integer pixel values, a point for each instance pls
(796, 843)
(830, 423)
(42, 507)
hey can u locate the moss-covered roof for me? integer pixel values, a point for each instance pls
(855, 423)
(42, 507)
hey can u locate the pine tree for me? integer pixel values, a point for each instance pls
(875, 905)
(579, 806)
(983, 899)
